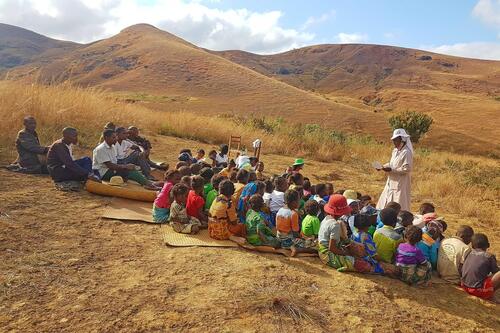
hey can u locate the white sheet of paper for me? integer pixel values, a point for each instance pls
(377, 165)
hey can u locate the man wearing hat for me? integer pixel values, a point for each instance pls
(398, 185)
(61, 164)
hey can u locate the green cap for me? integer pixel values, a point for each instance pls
(298, 161)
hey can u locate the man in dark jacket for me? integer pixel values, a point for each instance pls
(29, 149)
(60, 163)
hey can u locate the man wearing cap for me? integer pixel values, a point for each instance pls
(29, 149)
(398, 185)
(61, 164)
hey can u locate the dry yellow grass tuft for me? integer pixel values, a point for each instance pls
(462, 184)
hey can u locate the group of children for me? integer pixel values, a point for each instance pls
(286, 211)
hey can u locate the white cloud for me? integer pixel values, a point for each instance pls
(346, 38)
(478, 50)
(193, 20)
(314, 20)
(488, 11)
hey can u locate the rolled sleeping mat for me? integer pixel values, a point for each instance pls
(127, 191)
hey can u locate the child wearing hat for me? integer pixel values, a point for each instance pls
(335, 249)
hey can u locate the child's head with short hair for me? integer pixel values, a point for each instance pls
(261, 187)
(197, 183)
(296, 179)
(413, 234)
(200, 154)
(252, 176)
(292, 199)
(465, 232)
(256, 202)
(426, 208)
(185, 170)
(329, 188)
(195, 169)
(365, 200)
(394, 205)
(232, 176)
(242, 176)
(180, 164)
(232, 164)
(280, 184)
(269, 186)
(180, 193)
(172, 176)
(186, 180)
(212, 154)
(406, 218)
(389, 217)
(307, 185)
(312, 207)
(321, 190)
(362, 222)
(260, 166)
(226, 188)
(207, 174)
(480, 242)
(216, 180)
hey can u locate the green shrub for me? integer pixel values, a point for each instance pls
(415, 123)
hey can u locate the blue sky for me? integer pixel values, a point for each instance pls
(460, 27)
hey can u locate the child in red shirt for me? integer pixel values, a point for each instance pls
(195, 203)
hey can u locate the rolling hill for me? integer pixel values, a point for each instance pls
(352, 88)
(19, 46)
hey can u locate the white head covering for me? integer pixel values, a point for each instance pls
(404, 136)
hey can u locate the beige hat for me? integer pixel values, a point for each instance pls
(350, 194)
(116, 181)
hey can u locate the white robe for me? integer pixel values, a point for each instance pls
(398, 185)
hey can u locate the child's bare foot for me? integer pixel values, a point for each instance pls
(195, 229)
(293, 251)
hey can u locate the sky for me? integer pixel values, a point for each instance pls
(469, 28)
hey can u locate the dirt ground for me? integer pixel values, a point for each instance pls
(64, 269)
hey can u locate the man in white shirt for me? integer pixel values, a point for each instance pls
(221, 158)
(130, 153)
(105, 161)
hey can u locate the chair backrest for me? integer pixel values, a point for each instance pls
(234, 140)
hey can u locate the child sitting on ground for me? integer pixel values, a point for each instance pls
(287, 225)
(268, 190)
(223, 222)
(364, 201)
(200, 156)
(394, 205)
(195, 203)
(362, 223)
(429, 245)
(180, 221)
(426, 209)
(277, 199)
(385, 238)
(480, 272)
(307, 189)
(242, 178)
(226, 172)
(212, 194)
(207, 174)
(161, 205)
(258, 233)
(329, 191)
(414, 267)
(405, 219)
(311, 224)
(186, 180)
(259, 171)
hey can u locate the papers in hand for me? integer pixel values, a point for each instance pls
(377, 165)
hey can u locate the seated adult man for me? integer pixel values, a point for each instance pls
(105, 162)
(133, 135)
(61, 164)
(29, 150)
(130, 153)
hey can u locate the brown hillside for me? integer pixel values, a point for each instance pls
(19, 46)
(461, 94)
(145, 59)
(347, 87)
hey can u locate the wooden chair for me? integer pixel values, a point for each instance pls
(256, 150)
(234, 141)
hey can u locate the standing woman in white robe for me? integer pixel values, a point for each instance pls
(398, 185)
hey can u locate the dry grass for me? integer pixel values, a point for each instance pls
(461, 184)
